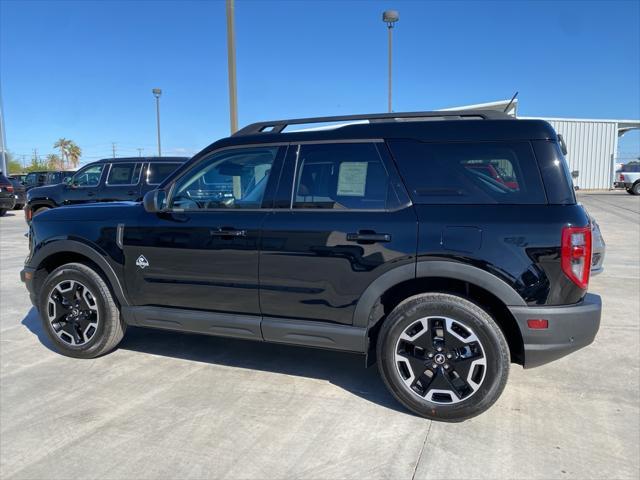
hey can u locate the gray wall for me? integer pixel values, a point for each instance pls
(592, 146)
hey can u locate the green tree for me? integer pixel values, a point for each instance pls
(36, 164)
(63, 144)
(13, 165)
(69, 152)
(74, 155)
(54, 162)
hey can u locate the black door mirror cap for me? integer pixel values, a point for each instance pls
(154, 201)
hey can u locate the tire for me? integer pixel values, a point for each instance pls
(635, 189)
(2, 212)
(18, 207)
(39, 210)
(91, 326)
(477, 368)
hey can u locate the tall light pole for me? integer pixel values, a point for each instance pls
(231, 60)
(390, 17)
(156, 93)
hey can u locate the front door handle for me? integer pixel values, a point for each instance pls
(227, 232)
(368, 237)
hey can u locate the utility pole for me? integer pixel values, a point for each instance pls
(140, 151)
(156, 93)
(113, 149)
(231, 61)
(390, 17)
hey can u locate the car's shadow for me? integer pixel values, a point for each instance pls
(342, 369)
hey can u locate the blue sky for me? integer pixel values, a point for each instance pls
(84, 70)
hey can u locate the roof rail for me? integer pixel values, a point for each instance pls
(277, 126)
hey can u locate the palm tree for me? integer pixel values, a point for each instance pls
(73, 154)
(63, 144)
(54, 162)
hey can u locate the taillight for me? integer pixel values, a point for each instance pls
(576, 254)
(621, 178)
(9, 188)
(28, 213)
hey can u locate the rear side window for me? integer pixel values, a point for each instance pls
(341, 176)
(469, 173)
(124, 174)
(157, 172)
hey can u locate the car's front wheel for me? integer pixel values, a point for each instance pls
(443, 357)
(79, 313)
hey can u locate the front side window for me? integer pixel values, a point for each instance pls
(341, 176)
(124, 174)
(235, 178)
(88, 177)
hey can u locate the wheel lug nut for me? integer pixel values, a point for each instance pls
(449, 355)
(430, 355)
(439, 349)
(434, 366)
(446, 366)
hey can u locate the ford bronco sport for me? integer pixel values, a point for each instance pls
(390, 236)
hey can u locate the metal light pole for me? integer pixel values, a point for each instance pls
(156, 93)
(231, 59)
(390, 17)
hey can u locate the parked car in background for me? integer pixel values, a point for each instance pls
(19, 176)
(19, 192)
(629, 178)
(46, 177)
(7, 197)
(106, 180)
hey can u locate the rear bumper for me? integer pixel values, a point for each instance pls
(570, 328)
(622, 185)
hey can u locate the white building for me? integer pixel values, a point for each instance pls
(592, 143)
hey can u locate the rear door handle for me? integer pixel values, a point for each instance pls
(228, 232)
(368, 237)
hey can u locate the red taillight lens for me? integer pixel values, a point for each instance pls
(621, 178)
(9, 188)
(28, 213)
(576, 254)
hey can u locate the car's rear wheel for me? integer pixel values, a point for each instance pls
(2, 212)
(443, 357)
(18, 206)
(79, 313)
(635, 189)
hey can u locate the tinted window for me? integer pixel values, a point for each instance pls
(157, 172)
(33, 179)
(123, 174)
(469, 173)
(234, 178)
(341, 176)
(631, 168)
(88, 177)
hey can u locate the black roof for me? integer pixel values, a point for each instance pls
(142, 159)
(451, 126)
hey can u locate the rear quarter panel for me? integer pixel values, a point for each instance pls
(518, 243)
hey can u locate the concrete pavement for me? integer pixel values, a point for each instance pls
(168, 405)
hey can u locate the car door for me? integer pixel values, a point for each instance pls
(202, 253)
(122, 182)
(347, 221)
(84, 185)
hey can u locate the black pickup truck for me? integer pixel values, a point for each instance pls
(104, 181)
(393, 238)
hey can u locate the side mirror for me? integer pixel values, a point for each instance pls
(154, 201)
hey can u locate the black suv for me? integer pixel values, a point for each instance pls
(44, 177)
(7, 195)
(443, 245)
(104, 181)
